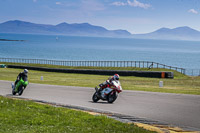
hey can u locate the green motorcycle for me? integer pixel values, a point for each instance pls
(19, 87)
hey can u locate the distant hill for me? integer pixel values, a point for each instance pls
(86, 29)
(83, 29)
(179, 33)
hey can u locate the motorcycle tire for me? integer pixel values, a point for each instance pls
(13, 92)
(112, 97)
(95, 97)
(21, 91)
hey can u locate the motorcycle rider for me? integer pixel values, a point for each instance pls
(108, 82)
(22, 78)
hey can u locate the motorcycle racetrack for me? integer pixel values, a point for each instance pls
(179, 110)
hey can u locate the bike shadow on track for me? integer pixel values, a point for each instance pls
(9, 95)
(101, 102)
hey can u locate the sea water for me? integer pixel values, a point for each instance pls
(185, 54)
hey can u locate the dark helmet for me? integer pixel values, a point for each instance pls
(116, 77)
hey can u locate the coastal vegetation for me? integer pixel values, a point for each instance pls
(181, 84)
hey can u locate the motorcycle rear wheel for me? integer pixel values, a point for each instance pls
(95, 97)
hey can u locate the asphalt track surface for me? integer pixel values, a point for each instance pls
(174, 109)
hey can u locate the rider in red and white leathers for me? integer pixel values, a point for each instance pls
(108, 82)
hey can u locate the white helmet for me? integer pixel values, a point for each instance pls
(25, 71)
(116, 77)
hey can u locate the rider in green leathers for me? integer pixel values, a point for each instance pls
(22, 79)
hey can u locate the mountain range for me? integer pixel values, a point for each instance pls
(179, 33)
(86, 29)
(83, 29)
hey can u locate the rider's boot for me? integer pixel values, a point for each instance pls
(13, 86)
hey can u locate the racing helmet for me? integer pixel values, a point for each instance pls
(116, 77)
(25, 71)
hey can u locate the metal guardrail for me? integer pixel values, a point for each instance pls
(192, 72)
(139, 64)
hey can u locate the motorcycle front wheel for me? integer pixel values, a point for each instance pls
(112, 97)
(21, 89)
(95, 97)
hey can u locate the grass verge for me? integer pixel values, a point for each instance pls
(26, 116)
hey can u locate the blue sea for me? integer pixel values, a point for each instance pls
(185, 54)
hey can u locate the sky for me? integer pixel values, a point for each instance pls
(135, 16)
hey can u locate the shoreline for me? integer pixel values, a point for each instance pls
(10, 40)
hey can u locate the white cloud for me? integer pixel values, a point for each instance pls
(193, 11)
(136, 3)
(58, 3)
(119, 4)
(133, 3)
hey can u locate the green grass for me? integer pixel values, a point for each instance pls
(180, 84)
(18, 116)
